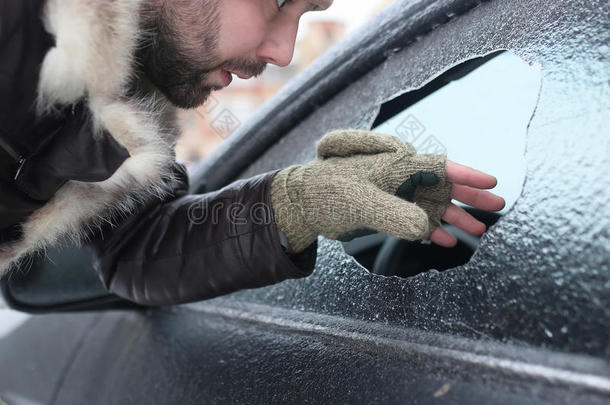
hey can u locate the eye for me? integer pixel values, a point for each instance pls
(282, 3)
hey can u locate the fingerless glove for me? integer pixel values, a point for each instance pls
(360, 179)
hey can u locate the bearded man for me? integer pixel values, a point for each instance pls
(89, 91)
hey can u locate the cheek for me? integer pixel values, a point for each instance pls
(242, 27)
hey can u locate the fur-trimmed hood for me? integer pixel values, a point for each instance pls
(93, 61)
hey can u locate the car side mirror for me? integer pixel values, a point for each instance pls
(61, 281)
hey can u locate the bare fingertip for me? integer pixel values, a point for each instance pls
(503, 204)
(492, 182)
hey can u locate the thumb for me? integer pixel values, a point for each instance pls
(406, 190)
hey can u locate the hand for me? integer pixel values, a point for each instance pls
(360, 180)
(365, 181)
(469, 188)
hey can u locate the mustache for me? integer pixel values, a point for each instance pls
(247, 66)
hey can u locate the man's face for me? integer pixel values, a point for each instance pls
(194, 46)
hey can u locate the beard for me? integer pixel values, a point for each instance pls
(179, 51)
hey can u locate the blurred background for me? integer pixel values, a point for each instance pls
(205, 128)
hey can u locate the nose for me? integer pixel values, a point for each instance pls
(278, 46)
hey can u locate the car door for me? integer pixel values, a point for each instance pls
(523, 320)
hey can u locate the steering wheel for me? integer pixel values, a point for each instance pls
(403, 258)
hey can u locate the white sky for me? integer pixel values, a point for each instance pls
(484, 120)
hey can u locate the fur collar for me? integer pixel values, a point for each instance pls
(93, 60)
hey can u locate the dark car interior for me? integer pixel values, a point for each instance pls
(389, 256)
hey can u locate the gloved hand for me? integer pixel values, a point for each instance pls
(360, 179)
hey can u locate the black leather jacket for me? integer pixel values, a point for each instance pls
(193, 247)
(176, 249)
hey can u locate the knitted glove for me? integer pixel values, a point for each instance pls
(360, 179)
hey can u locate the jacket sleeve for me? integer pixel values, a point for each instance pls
(193, 247)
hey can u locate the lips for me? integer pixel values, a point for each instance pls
(242, 76)
(227, 78)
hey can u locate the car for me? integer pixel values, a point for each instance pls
(520, 315)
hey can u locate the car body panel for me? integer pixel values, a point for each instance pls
(260, 354)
